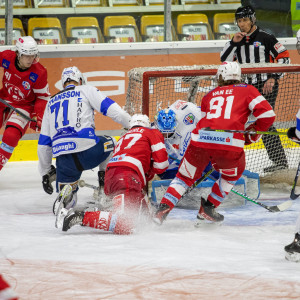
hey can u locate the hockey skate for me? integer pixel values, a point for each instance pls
(292, 251)
(72, 218)
(161, 213)
(207, 212)
(65, 199)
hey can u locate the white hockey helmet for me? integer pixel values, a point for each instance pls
(139, 120)
(26, 45)
(229, 71)
(71, 74)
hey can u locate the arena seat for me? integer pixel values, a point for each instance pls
(125, 2)
(224, 27)
(121, 29)
(51, 3)
(193, 27)
(83, 30)
(152, 28)
(17, 3)
(46, 31)
(91, 3)
(159, 2)
(230, 2)
(195, 2)
(18, 30)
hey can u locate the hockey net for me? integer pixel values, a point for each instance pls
(152, 89)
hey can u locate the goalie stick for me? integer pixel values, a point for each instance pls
(246, 132)
(293, 195)
(276, 208)
(17, 110)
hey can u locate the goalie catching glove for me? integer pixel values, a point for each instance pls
(48, 179)
(252, 137)
(292, 135)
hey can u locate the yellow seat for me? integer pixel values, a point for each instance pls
(224, 26)
(159, 2)
(125, 2)
(18, 30)
(17, 3)
(231, 2)
(152, 28)
(83, 30)
(193, 27)
(121, 29)
(52, 3)
(46, 31)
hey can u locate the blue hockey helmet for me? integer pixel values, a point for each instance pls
(165, 121)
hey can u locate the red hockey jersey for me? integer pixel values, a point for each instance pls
(24, 89)
(228, 108)
(143, 150)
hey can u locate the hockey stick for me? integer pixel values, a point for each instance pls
(16, 110)
(247, 132)
(82, 183)
(293, 195)
(276, 208)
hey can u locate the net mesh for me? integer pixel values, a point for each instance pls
(152, 89)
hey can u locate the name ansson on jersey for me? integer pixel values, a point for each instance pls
(222, 92)
(64, 95)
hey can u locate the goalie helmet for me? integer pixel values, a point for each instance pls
(139, 120)
(245, 12)
(229, 71)
(26, 45)
(71, 74)
(165, 121)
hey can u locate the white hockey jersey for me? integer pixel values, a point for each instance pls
(188, 115)
(68, 123)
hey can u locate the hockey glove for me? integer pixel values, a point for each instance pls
(48, 179)
(252, 137)
(36, 126)
(292, 135)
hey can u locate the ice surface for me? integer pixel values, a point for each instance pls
(243, 258)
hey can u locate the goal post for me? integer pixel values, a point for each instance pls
(154, 88)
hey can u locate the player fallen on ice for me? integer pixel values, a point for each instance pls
(25, 87)
(227, 107)
(68, 134)
(138, 156)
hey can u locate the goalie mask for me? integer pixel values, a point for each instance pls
(229, 71)
(165, 121)
(72, 74)
(139, 120)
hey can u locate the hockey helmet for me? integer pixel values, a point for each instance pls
(72, 74)
(245, 12)
(26, 45)
(229, 71)
(165, 121)
(139, 120)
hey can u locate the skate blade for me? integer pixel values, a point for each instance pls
(200, 223)
(60, 218)
(294, 256)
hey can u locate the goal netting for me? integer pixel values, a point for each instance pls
(152, 89)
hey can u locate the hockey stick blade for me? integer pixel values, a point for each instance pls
(276, 208)
(82, 183)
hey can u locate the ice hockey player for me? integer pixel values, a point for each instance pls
(68, 134)
(25, 87)
(138, 156)
(227, 107)
(292, 251)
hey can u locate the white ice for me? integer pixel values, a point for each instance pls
(243, 258)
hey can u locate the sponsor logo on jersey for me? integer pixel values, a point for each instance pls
(33, 76)
(241, 85)
(185, 143)
(180, 104)
(224, 138)
(279, 47)
(26, 85)
(14, 91)
(189, 119)
(5, 63)
(117, 158)
(257, 44)
(67, 146)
